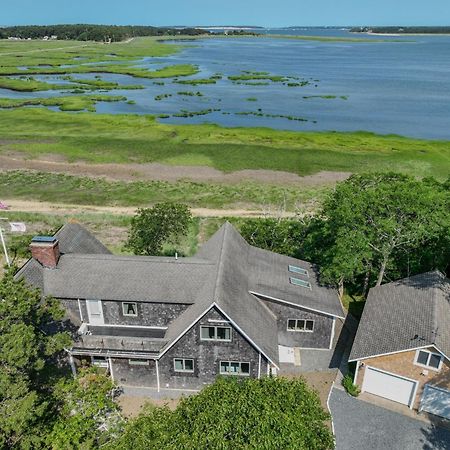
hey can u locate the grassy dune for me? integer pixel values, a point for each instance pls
(100, 138)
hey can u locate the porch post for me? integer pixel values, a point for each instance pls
(72, 365)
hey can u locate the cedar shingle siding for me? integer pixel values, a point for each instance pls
(228, 280)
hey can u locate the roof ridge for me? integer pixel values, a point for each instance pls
(440, 289)
(139, 258)
(434, 314)
(220, 261)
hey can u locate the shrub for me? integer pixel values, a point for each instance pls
(349, 386)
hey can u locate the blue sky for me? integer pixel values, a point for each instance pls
(227, 12)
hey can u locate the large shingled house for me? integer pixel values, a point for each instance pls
(177, 323)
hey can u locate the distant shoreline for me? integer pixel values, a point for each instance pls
(399, 34)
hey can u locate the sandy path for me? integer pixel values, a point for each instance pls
(61, 208)
(162, 172)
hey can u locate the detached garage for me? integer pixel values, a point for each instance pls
(389, 385)
(402, 343)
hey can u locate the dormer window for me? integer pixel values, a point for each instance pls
(305, 325)
(129, 309)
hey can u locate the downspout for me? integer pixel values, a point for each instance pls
(157, 375)
(72, 363)
(356, 372)
(111, 368)
(259, 366)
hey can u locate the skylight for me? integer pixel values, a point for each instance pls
(296, 269)
(299, 282)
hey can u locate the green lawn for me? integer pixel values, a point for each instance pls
(100, 138)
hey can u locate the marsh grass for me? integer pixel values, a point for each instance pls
(29, 84)
(72, 103)
(60, 188)
(197, 81)
(102, 138)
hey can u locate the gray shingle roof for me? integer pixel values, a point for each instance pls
(405, 314)
(270, 278)
(226, 272)
(133, 278)
(73, 238)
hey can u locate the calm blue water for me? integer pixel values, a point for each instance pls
(391, 87)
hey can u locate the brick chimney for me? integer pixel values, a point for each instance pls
(45, 249)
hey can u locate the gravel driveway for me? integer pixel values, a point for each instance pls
(361, 425)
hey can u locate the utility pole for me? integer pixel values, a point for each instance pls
(2, 238)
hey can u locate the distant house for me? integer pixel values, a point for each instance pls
(402, 346)
(178, 323)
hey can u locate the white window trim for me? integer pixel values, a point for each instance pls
(215, 333)
(184, 365)
(239, 374)
(138, 362)
(441, 359)
(298, 330)
(298, 270)
(102, 361)
(128, 303)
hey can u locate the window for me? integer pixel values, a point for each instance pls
(234, 368)
(183, 365)
(299, 282)
(99, 361)
(208, 333)
(138, 362)
(296, 269)
(129, 309)
(300, 325)
(427, 359)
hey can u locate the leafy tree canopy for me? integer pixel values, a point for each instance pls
(89, 32)
(151, 228)
(277, 235)
(370, 222)
(371, 228)
(26, 352)
(87, 415)
(270, 413)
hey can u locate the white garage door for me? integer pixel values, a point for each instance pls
(389, 386)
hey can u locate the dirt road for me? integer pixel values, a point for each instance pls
(63, 209)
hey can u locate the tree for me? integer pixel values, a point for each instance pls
(370, 219)
(270, 413)
(151, 228)
(87, 415)
(27, 352)
(277, 235)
